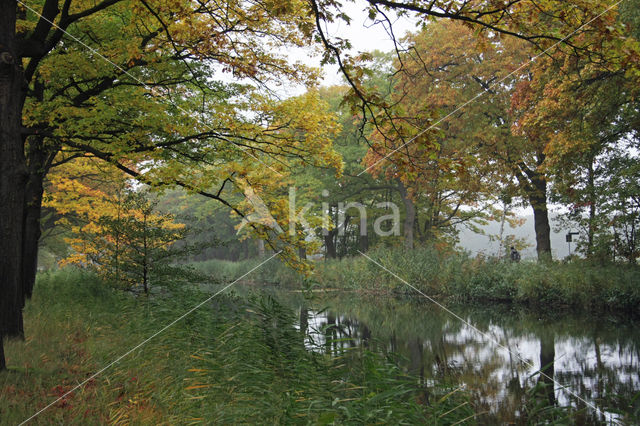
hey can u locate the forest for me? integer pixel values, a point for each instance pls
(256, 211)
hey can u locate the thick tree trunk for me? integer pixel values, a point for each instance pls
(13, 176)
(409, 217)
(3, 362)
(31, 236)
(33, 211)
(538, 201)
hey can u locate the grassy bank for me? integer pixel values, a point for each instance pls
(232, 361)
(578, 284)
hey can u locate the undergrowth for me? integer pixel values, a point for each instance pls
(457, 276)
(234, 360)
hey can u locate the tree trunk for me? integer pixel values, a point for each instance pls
(538, 201)
(31, 236)
(13, 176)
(592, 210)
(502, 221)
(37, 166)
(330, 244)
(364, 243)
(410, 216)
(3, 362)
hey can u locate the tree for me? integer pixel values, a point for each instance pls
(353, 198)
(542, 24)
(444, 159)
(573, 29)
(603, 196)
(581, 106)
(114, 228)
(136, 83)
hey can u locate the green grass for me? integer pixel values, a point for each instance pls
(578, 284)
(235, 360)
(274, 272)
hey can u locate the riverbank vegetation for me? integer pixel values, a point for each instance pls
(458, 277)
(233, 361)
(250, 358)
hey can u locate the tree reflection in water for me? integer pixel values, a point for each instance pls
(595, 357)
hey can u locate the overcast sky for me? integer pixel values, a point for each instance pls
(364, 35)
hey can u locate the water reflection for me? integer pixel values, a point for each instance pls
(595, 357)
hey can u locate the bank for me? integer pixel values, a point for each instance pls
(454, 276)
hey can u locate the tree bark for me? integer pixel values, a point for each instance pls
(330, 244)
(3, 362)
(409, 217)
(13, 175)
(37, 168)
(502, 221)
(592, 209)
(538, 201)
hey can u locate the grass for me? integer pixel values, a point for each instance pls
(578, 284)
(225, 271)
(75, 325)
(236, 360)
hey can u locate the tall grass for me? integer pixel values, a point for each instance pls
(74, 325)
(273, 272)
(261, 371)
(578, 284)
(232, 361)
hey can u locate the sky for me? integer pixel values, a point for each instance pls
(364, 35)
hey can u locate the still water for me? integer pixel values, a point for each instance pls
(590, 362)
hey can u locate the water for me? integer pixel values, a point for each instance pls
(590, 362)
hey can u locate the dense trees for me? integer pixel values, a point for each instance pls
(182, 94)
(471, 101)
(139, 85)
(446, 160)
